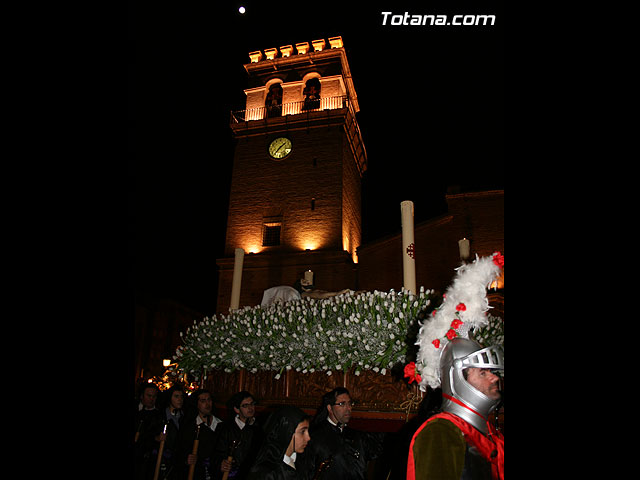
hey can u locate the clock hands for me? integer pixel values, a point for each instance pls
(280, 148)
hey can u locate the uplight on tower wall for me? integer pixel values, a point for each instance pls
(310, 245)
(253, 249)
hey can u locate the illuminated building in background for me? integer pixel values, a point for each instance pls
(295, 198)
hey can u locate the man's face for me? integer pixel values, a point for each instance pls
(148, 398)
(204, 403)
(247, 409)
(340, 413)
(177, 399)
(484, 381)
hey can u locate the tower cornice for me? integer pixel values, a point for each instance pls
(275, 60)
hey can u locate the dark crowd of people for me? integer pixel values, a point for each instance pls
(180, 437)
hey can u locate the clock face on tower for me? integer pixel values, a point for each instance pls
(280, 148)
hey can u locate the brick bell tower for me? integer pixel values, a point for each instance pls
(295, 200)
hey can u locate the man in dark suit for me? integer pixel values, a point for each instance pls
(239, 437)
(344, 451)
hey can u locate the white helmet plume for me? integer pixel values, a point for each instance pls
(464, 308)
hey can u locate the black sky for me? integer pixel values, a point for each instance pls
(432, 115)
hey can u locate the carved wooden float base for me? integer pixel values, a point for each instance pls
(380, 398)
(384, 402)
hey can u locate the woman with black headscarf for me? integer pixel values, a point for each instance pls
(287, 434)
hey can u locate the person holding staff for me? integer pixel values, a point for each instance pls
(173, 418)
(148, 423)
(239, 438)
(199, 434)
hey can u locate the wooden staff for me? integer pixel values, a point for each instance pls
(234, 444)
(194, 451)
(159, 460)
(326, 463)
(137, 436)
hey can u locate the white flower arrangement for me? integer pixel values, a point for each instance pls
(492, 333)
(365, 330)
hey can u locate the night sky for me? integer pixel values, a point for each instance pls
(431, 115)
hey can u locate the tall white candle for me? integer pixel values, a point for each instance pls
(463, 246)
(408, 247)
(237, 279)
(308, 277)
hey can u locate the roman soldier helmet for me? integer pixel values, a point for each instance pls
(459, 396)
(445, 347)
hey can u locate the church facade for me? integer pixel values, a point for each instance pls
(295, 198)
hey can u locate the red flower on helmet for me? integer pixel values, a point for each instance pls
(410, 372)
(456, 323)
(451, 334)
(461, 307)
(436, 343)
(498, 259)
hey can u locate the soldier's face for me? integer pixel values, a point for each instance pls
(485, 382)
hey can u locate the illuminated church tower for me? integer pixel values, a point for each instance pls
(295, 194)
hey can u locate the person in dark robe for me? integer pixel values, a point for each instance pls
(239, 437)
(345, 450)
(147, 420)
(201, 424)
(287, 435)
(172, 417)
